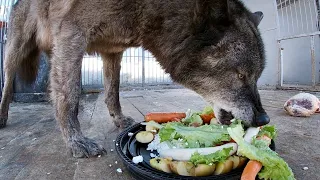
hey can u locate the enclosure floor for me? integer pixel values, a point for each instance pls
(31, 146)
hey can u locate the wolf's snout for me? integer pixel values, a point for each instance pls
(262, 119)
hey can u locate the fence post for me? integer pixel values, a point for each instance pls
(143, 67)
(313, 62)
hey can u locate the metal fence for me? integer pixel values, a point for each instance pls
(298, 41)
(138, 68)
(5, 8)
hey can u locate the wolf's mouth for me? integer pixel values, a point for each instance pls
(225, 117)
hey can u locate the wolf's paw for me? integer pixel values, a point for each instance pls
(82, 147)
(3, 121)
(123, 121)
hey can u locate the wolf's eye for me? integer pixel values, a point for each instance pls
(241, 76)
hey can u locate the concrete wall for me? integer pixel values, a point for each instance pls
(268, 28)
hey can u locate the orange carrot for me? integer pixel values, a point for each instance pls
(251, 170)
(253, 167)
(164, 117)
(207, 117)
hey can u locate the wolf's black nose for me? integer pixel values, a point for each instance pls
(262, 119)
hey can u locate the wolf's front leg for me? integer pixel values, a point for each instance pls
(65, 93)
(111, 69)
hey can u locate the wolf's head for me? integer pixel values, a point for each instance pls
(229, 60)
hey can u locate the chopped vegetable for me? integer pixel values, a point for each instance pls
(251, 170)
(207, 118)
(207, 114)
(195, 137)
(161, 164)
(164, 117)
(152, 124)
(207, 110)
(186, 153)
(144, 137)
(274, 167)
(204, 169)
(224, 167)
(218, 156)
(182, 168)
(194, 120)
(269, 131)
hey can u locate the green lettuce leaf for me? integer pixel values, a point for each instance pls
(269, 131)
(274, 167)
(193, 120)
(195, 137)
(207, 110)
(218, 156)
(153, 123)
(166, 134)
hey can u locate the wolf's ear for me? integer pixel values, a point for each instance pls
(256, 18)
(210, 13)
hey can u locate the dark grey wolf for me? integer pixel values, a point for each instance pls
(210, 46)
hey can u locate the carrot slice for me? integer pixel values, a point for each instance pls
(164, 117)
(251, 170)
(207, 117)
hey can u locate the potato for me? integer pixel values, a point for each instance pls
(242, 162)
(161, 164)
(236, 161)
(144, 137)
(151, 128)
(173, 166)
(204, 170)
(214, 121)
(224, 167)
(182, 168)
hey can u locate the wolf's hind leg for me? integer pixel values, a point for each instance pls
(111, 70)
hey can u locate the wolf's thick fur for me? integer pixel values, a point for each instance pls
(210, 46)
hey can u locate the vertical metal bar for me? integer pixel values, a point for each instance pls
(143, 67)
(277, 17)
(288, 26)
(280, 64)
(138, 69)
(295, 8)
(317, 14)
(311, 14)
(313, 62)
(301, 16)
(293, 30)
(133, 64)
(282, 16)
(305, 11)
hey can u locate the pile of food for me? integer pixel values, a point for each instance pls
(194, 144)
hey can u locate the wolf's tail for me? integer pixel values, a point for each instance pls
(22, 52)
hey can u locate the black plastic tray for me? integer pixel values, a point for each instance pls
(128, 148)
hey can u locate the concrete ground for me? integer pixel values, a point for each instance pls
(31, 146)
